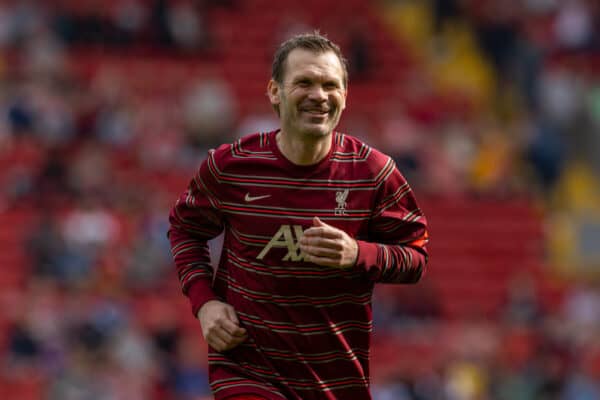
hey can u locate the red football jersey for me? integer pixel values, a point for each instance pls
(308, 326)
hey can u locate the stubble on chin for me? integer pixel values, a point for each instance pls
(317, 132)
(325, 129)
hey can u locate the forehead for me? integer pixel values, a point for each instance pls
(306, 62)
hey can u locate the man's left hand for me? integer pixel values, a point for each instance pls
(328, 246)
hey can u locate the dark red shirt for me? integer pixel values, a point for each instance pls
(309, 326)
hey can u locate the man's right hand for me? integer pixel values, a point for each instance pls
(220, 325)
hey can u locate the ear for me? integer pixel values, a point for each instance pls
(344, 96)
(273, 92)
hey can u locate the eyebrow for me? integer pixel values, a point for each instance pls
(307, 78)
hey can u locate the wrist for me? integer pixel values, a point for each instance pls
(199, 293)
(355, 250)
(203, 306)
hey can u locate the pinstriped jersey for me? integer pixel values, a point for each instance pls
(308, 326)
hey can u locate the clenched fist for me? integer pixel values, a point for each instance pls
(220, 325)
(328, 246)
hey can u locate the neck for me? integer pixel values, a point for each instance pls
(303, 151)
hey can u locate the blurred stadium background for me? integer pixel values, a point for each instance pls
(490, 107)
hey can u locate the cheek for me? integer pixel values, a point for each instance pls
(288, 101)
(339, 97)
(340, 101)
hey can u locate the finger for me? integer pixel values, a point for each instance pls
(317, 222)
(222, 335)
(237, 341)
(321, 242)
(230, 313)
(320, 251)
(233, 328)
(227, 341)
(325, 232)
(216, 343)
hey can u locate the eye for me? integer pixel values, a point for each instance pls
(303, 83)
(331, 85)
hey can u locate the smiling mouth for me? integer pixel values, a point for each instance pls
(316, 112)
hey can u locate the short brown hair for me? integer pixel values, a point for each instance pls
(314, 42)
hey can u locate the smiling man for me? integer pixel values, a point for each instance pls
(309, 100)
(313, 218)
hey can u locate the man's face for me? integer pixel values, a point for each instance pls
(312, 96)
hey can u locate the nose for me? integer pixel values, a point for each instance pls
(317, 93)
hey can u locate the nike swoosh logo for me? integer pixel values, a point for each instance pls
(249, 198)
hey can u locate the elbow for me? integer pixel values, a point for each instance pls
(415, 274)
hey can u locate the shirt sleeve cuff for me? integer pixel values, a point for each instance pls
(366, 260)
(199, 293)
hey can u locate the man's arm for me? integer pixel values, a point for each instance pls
(194, 220)
(395, 251)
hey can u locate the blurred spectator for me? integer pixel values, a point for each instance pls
(445, 11)
(149, 259)
(114, 124)
(85, 24)
(515, 377)
(129, 18)
(406, 309)
(91, 170)
(20, 19)
(466, 380)
(522, 306)
(90, 225)
(553, 363)
(160, 22)
(88, 230)
(560, 95)
(181, 25)
(18, 184)
(159, 141)
(497, 29)
(209, 111)
(260, 119)
(582, 382)
(574, 26)
(546, 153)
(44, 54)
(190, 379)
(358, 51)
(133, 352)
(23, 347)
(47, 248)
(392, 390)
(493, 167)
(20, 114)
(186, 26)
(52, 182)
(582, 312)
